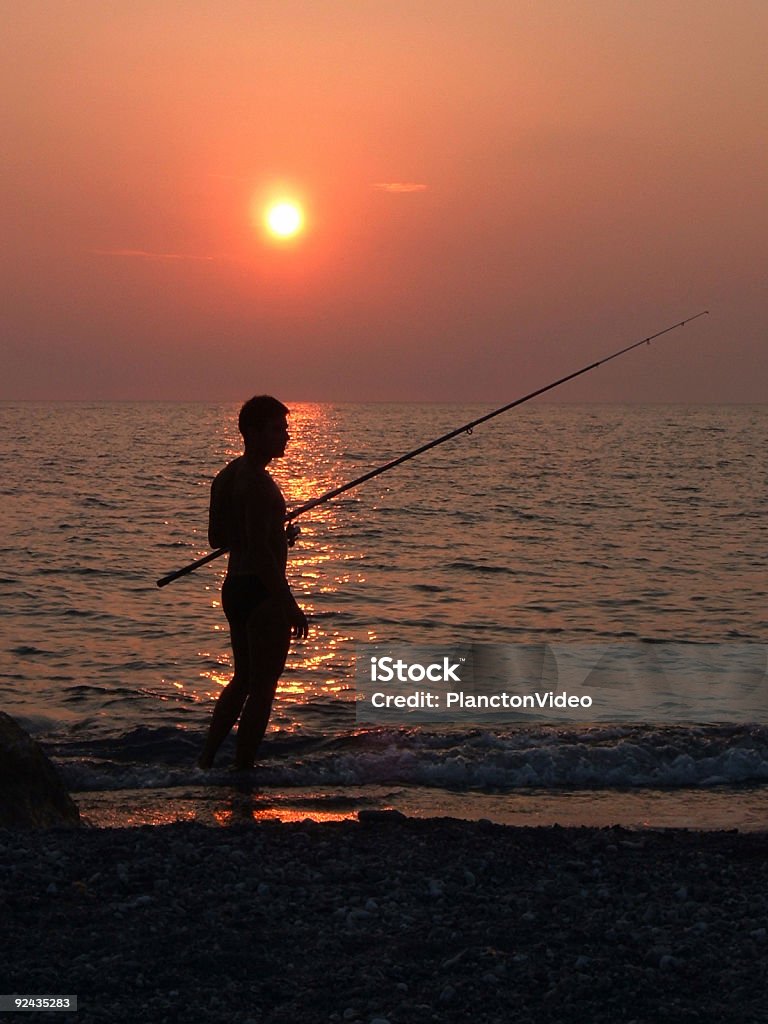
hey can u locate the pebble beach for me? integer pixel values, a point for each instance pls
(386, 919)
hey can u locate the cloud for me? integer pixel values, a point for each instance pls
(400, 186)
(143, 254)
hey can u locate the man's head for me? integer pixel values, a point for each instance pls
(262, 423)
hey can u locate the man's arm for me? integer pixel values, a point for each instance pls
(222, 529)
(219, 521)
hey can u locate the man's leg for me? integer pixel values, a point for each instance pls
(269, 636)
(231, 698)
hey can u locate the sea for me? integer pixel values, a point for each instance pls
(619, 533)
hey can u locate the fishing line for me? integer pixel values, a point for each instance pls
(465, 428)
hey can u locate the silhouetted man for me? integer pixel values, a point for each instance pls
(247, 515)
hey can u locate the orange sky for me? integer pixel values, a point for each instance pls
(582, 173)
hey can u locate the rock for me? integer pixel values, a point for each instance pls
(31, 793)
(381, 817)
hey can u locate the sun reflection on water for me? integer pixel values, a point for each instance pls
(230, 815)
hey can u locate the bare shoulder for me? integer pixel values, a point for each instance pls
(234, 467)
(254, 481)
(246, 485)
(229, 474)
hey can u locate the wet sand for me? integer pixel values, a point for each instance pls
(387, 919)
(707, 809)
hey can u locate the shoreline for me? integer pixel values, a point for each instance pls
(710, 809)
(388, 918)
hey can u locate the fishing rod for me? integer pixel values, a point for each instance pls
(466, 428)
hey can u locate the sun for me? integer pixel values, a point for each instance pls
(284, 219)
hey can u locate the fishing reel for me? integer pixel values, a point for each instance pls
(292, 532)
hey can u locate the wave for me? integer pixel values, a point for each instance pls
(594, 758)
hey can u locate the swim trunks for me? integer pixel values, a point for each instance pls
(240, 595)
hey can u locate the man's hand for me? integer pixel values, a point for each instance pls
(292, 531)
(298, 622)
